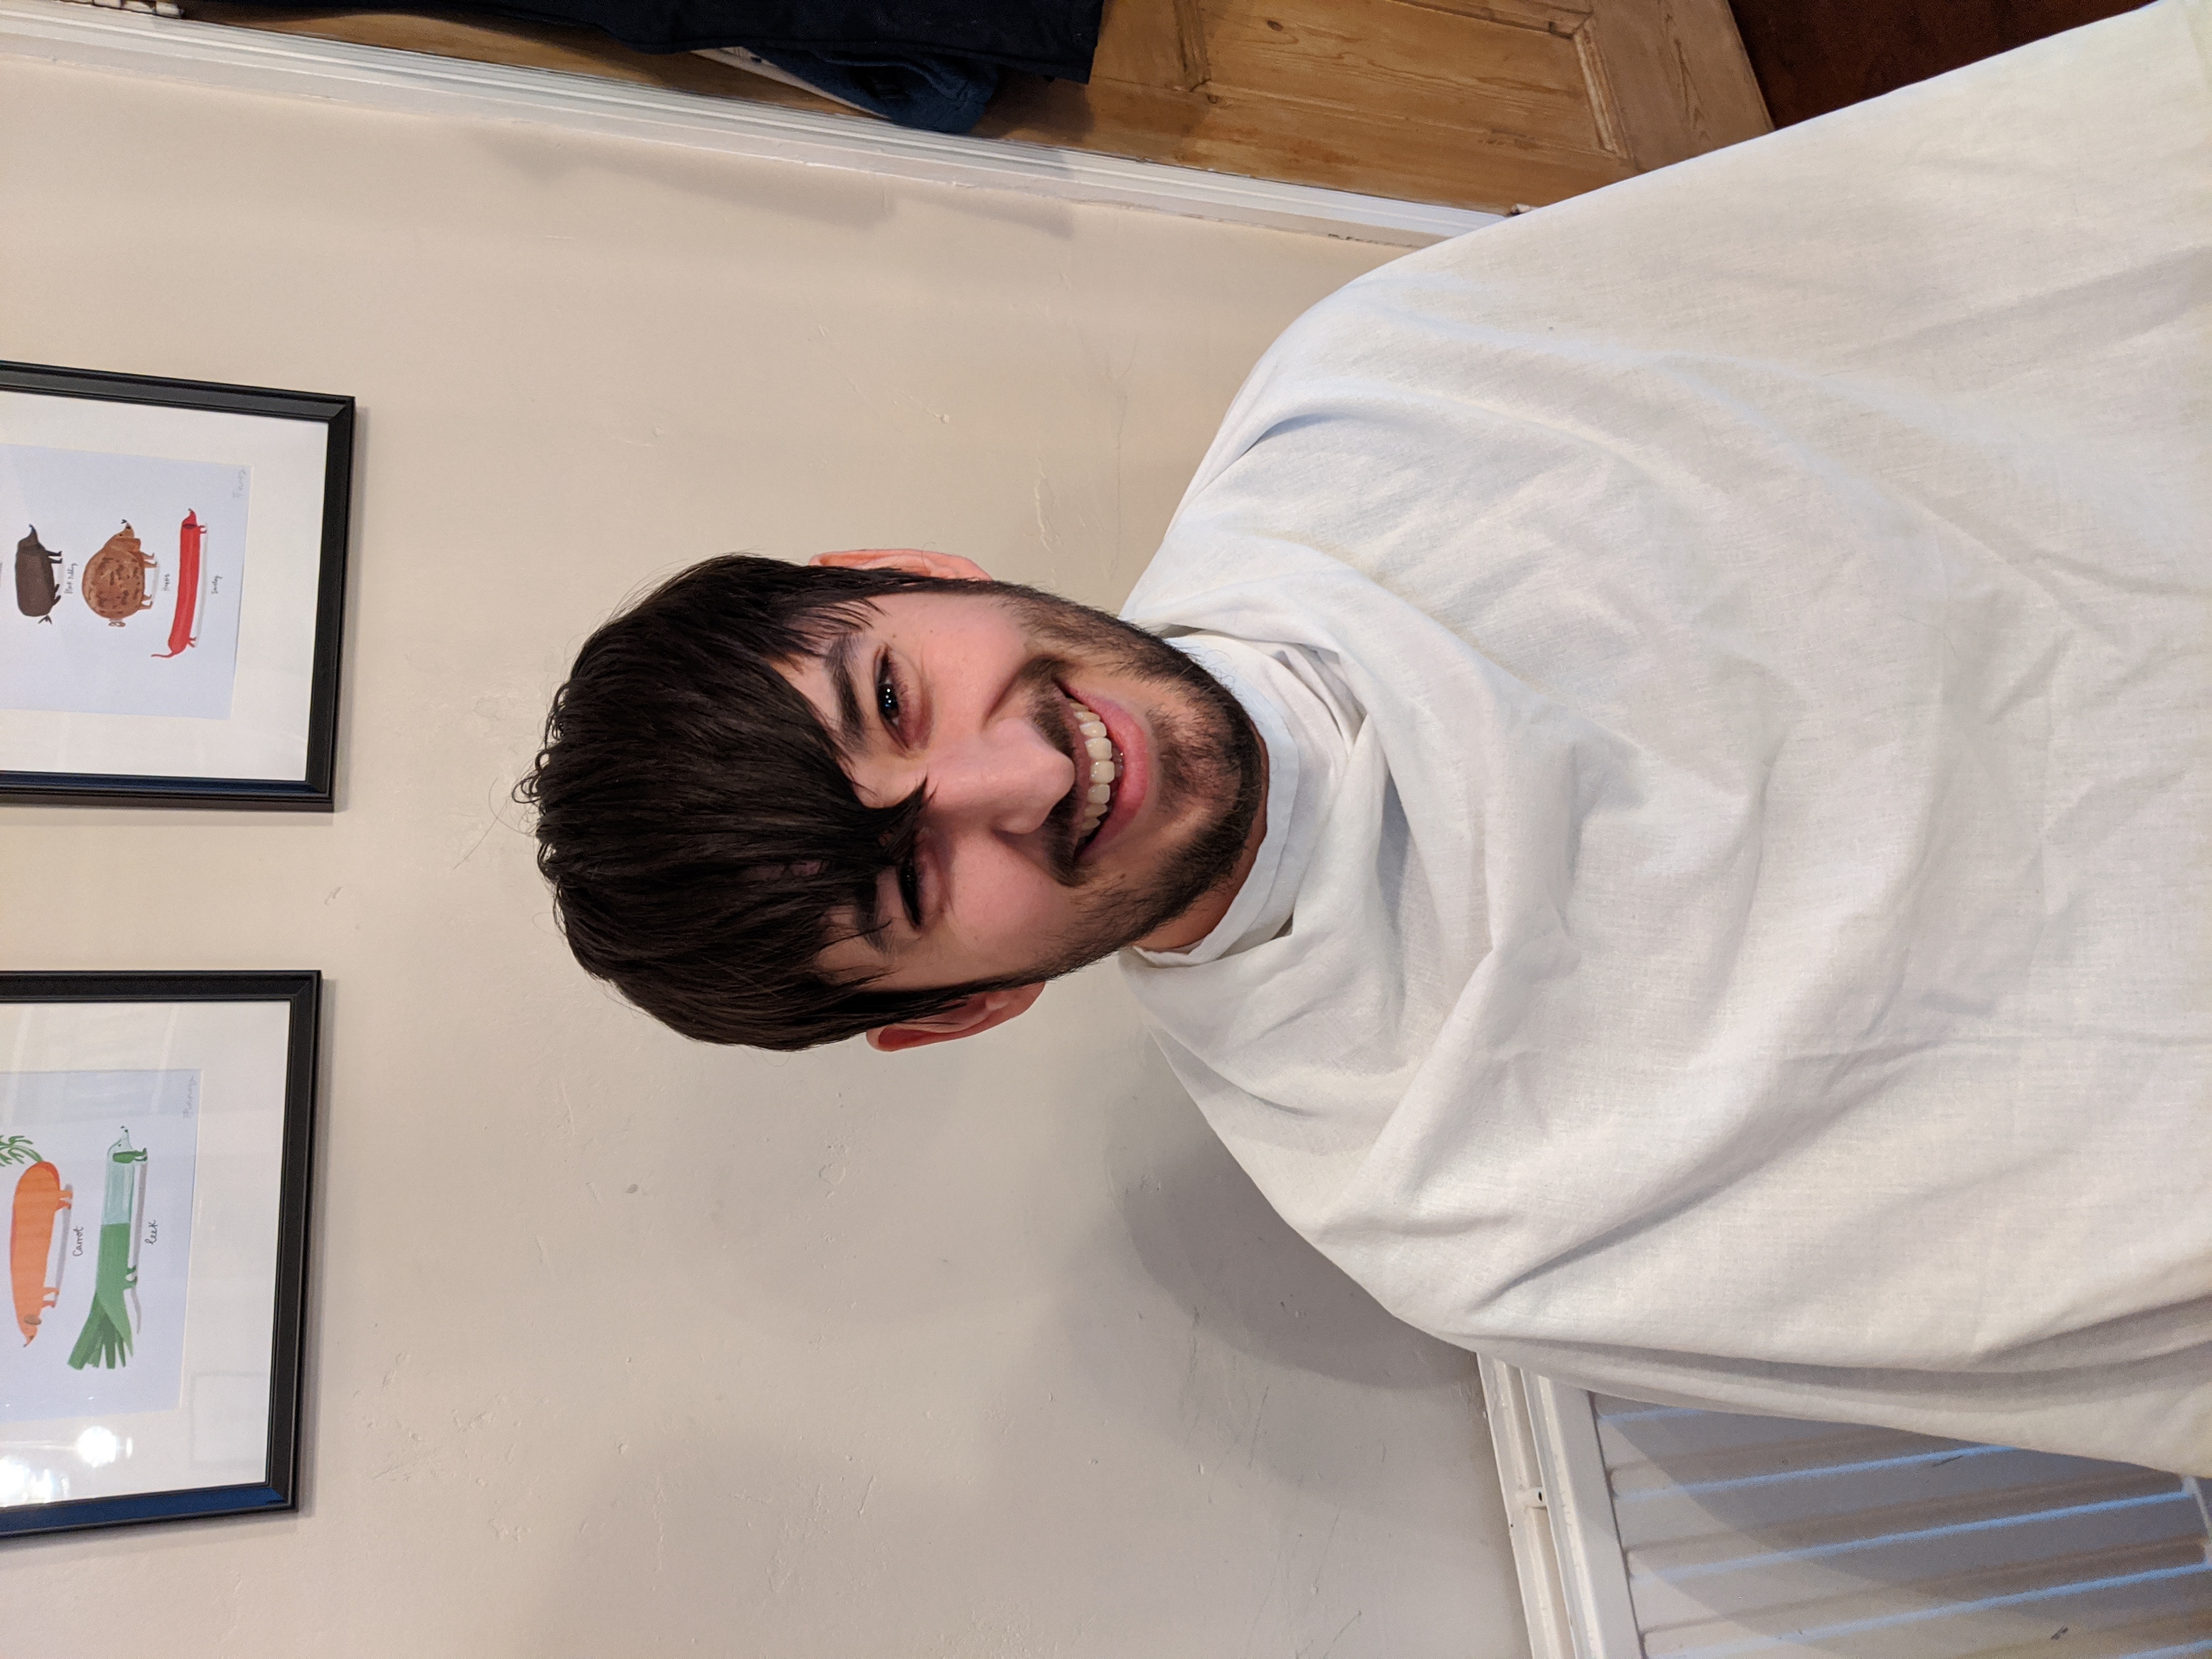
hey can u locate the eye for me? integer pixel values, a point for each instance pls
(889, 703)
(910, 887)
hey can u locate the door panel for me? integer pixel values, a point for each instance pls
(1475, 103)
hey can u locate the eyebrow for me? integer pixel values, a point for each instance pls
(838, 659)
(872, 935)
(870, 923)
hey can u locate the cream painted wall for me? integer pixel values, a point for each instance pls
(622, 1345)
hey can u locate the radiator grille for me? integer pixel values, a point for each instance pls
(1747, 1536)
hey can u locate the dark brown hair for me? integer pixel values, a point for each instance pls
(694, 820)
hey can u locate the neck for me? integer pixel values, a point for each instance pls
(1203, 917)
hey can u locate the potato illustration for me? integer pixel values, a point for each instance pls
(114, 582)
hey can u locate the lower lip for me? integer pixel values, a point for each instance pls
(1129, 789)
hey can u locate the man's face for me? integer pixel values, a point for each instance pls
(1019, 872)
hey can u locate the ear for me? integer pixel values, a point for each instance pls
(969, 1017)
(947, 567)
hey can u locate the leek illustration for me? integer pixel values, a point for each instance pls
(108, 1328)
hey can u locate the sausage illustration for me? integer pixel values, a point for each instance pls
(114, 580)
(34, 1267)
(113, 1322)
(190, 535)
(36, 589)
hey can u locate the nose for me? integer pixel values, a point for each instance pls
(1006, 778)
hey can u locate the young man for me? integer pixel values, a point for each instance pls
(1659, 794)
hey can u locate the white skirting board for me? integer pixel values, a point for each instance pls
(1648, 1532)
(250, 60)
(1566, 1552)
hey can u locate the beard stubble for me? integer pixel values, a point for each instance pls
(1204, 750)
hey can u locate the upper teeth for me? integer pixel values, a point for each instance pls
(1105, 769)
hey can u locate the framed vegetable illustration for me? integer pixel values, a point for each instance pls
(155, 1134)
(179, 579)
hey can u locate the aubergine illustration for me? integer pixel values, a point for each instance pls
(114, 580)
(112, 1323)
(36, 588)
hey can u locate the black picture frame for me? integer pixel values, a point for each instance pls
(275, 1487)
(314, 790)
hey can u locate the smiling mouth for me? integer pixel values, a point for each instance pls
(1098, 770)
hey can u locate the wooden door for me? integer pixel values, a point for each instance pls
(1493, 104)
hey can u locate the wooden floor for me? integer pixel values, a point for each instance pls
(1493, 104)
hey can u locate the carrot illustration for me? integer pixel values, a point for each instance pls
(113, 1321)
(190, 535)
(33, 1264)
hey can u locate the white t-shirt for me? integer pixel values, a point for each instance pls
(1752, 946)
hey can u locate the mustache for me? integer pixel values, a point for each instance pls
(1049, 711)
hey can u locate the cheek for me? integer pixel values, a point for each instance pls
(1006, 907)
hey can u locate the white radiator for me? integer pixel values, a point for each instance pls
(1651, 1532)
